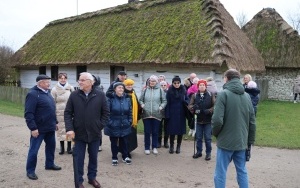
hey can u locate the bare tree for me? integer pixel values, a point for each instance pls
(294, 19)
(241, 19)
(6, 54)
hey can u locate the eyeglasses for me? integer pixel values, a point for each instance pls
(83, 80)
(163, 85)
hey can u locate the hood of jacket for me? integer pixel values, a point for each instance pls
(235, 86)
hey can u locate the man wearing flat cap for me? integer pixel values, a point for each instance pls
(41, 120)
(121, 77)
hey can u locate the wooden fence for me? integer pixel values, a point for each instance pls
(13, 94)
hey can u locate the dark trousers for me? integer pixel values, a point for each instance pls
(35, 143)
(163, 126)
(151, 126)
(80, 149)
(295, 96)
(172, 138)
(122, 147)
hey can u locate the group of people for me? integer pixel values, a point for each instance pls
(81, 115)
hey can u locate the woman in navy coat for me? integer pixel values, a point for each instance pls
(175, 113)
(119, 124)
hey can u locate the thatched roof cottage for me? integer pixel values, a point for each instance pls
(170, 37)
(279, 44)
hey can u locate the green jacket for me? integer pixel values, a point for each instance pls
(154, 101)
(233, 121)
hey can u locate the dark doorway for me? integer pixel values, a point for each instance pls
(42, 70)
(114, 70)
(80, 69)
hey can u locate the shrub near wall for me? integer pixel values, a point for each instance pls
(13, 94)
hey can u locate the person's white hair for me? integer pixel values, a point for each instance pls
(251, 84)
(154, 78)
(88, 76)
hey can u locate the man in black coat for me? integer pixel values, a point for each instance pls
(86, 114)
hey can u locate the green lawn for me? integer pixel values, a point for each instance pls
(278, 123)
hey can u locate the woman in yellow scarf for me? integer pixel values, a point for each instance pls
(132, 137)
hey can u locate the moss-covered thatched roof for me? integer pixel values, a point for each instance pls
(276, 40)
(198, 32)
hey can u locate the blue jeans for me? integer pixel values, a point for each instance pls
(224, 157)
(35, 143)
(151, 127)
(122, 146)
(80, 149)
(203, 129)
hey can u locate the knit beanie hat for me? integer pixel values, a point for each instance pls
(203, 82)
(128, 82)
(176, 79)
(118, 84)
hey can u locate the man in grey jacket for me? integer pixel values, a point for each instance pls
(233, 124)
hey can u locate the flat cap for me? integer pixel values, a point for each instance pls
(42, 77)
(122, 73)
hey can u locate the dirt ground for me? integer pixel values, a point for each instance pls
(268, 168)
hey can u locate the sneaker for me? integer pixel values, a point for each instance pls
(127, 160)
(295, 102)
(191, 132)
(147, 152)
(207, 157)
(114, 162)
(197, 155)
(155, 152)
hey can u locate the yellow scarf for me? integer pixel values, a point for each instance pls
(134, 110)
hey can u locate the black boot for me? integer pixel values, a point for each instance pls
(171, 151)
(179, 140)
(172, 138)
(178, 149)
(69, 148)
(62, 148)
(166, 145)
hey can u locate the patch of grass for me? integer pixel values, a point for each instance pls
(10, 108)
(277, 123)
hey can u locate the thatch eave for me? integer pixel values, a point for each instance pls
(167, 32)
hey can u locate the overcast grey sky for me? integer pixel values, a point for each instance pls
(21, 19)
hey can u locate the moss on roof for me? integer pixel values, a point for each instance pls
(159, 31)
(278, 42)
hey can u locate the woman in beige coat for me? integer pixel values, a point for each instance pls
(61, 92)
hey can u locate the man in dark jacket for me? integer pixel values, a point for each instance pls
(41, 120)
(121, 77)
(86, 114)
(233, 124)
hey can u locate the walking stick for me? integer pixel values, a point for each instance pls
(75, 165)
(195, 128)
